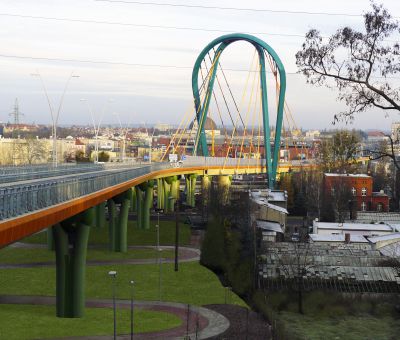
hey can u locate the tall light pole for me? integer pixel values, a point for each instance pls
(176, 231)
(132, 283)
(54, 114)
(96, 126)
(113, 275)
(122, 132)
(159, 260)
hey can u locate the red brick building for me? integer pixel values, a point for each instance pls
(360, 187)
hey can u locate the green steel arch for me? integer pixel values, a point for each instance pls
(202, 107)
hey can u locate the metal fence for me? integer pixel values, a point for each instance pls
(18, 199)
(29, 188)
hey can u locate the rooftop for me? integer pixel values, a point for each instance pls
(346, 175)
(337, 238)
(388, 237)
(354, 226)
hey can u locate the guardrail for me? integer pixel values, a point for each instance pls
(20, 199)
(222, 161)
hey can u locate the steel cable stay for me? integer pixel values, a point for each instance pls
(246, 119)
(217, 105)
(241, 101)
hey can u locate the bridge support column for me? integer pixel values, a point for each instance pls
(144, 195)
(205, 188)
(133, 200)
(191, 189)
(50, 238)
(101, 215)
(171, 189)
(71, 240)
(160, 194)
(166, 195)
(224, 183)
(118, 224)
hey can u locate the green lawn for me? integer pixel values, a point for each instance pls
(193, 283)
(136, 236)
(11, 255)
(348, 327)
(22, 322)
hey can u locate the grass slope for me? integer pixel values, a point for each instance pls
(23, 322)
(11, 255)
(350, 327)
(193, 283)
(136, 236)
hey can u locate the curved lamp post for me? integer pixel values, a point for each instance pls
(55, 115)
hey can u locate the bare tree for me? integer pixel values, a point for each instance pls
(296, 263)
(357, 63)
(32, 150)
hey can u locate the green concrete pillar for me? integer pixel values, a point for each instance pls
(205, 188)
(173, 191)
(139, 207)
(133, 200)
(148, 203)
(224, 183)
(101, 215)
(167, 194)
(118, 225)
(71, 239)
(146, 190)
(121, 235)
(50, 238)
(112, 216)
(193, 179)
(191, 189)
(160, 194)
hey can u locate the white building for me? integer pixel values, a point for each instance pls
(361, 229)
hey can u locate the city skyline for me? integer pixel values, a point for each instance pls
(147, 69)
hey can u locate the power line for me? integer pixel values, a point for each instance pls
(229, 8)
(109, 62)
(104, 62)
(117, 23)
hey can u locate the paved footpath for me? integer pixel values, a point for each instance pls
(186, 254)
(198, 323)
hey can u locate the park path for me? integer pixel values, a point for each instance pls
(186, 254)
(197, 322)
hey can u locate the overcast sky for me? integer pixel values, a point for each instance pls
(147, 92)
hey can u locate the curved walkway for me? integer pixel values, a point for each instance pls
(200, 321)
(186, 254)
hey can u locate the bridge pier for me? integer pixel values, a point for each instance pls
(118, 224)
(100, 215)
(191, 189)
(133, 200)
(224, 183)
(71, 239)
(171, 189)
(205, 188)
(160, 194)
(144, 199)
(50, 238)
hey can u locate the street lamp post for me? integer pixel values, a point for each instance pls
(113, 275)
(96, 126)
(176, 231)
(132, 296)
(54, 115)
(159, 260)
(123, 133)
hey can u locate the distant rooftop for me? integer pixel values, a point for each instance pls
(337, 238)
(388, 237)
(353, 226)
(345, 175)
